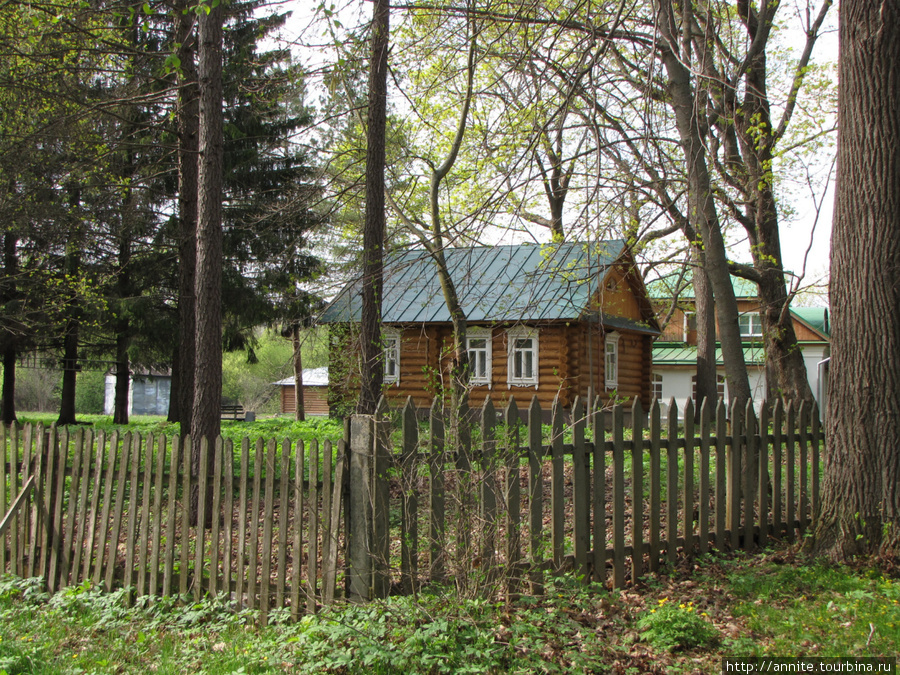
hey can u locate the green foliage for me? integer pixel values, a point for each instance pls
(672, 627)
(90, 392)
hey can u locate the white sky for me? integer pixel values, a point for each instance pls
(805, 238)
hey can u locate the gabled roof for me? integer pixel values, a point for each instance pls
(815, 318)
(494, 283)
(666, 286)
(312, 377)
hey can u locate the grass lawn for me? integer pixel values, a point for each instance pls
(684, 621)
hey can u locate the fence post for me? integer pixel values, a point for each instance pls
(637, 490)
(437, 499)
(535, 496)
(409, 539)
(557, 485)
(366, 506)
(581, 503)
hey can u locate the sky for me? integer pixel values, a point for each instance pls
(805, 235)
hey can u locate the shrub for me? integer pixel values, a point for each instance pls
(672, 627)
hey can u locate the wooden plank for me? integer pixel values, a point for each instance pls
(16, 505)
(581, 505)
(25, 522)
(734, 476)
(186, 489)
(200, 525)
(672, 483)
(153, 587)
(109, 487)
(57, 478)
(762, 449)
(436, 460)
(748, 491)
(171, 515)
(146, 485)
(266, 549)
(598, 466)
(381, 577)
(637, 491)
(326, 493)
(703, 531)
(312, 560)
(121, 486)
(688, 500)
(777, 468)
(241, 580)
(133, 509)
(43, 500)
(721, 474)
(535, 496)
(215, 549)
(15, 543)
(284, 503)
(513, 496)
(329, 565)
(816, 440)
(557, 486)
(803, 439)
(228, 516)
(489, 486)
(618, 497)
(253, 570)
(789, 482)
(92, 512)
(655, 483)
(409, 512)
(297, 549)
(83, 515)
(78, 456)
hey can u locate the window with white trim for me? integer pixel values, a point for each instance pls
(751, 325)
(656, 387)
(720, 387)
(611, 360)
(478, 345)
(390, 338)
(522, 367)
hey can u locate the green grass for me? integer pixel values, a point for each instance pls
(740, 606)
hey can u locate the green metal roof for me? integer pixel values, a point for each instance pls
(814, 317)
(672, 354)
(666, 286)
(494, 283)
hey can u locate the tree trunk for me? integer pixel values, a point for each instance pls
(374, 227)
(861, 488)
(299, 409)
(704, 306)
(208, 286)
(123, 373)
(702, 212)
(8, 396)
(73, 312)
(188, 112)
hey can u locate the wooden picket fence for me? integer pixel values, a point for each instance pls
(294, 525)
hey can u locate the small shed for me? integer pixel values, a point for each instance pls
(148, 393)
(315, 392)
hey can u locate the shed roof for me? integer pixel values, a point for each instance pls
(494, 283)
(814, 317)
(312, 377)
(666, 286)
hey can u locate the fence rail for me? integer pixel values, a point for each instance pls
(293, 525)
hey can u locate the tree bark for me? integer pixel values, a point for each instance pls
(704, 306)
(188, 113)
(10, 339)
(374, 227)
(861, 488)
(205, 421)
(299, 406)
(702, 212)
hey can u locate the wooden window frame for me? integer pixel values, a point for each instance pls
(611, 379)
(486, 335)
(512, 335)
(390, 339)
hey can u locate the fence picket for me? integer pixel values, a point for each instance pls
(734, 478)
(436, 460)
(816, 440)
(241, 581)
(535, 495)
(146, 484)
(57, 479)
(228, 517)
(312, 560)
(253, 570)
(749, 468)
(580, 499)
(637, 490)
(155, 554)
(264, 586)
(117, 511)
(297, 550)
(687, 509)
(14, 526)
(39, 538)
(329, 564)
(284, 500)
(777, 468)
(513, 501)
(763, 483)
(803, 439)
(186, 496)
(598, 467)
(72, 557)
(655, 483)
(618, 533)
(169, 558)
(214, 547)
(409, 513)
(488, 482)
(789, 486)
(3, 499)
(703, 508)
(82, 513)
(672, 483)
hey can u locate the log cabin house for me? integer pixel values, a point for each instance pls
(675, 351)
(315, 393)
(555, 319)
